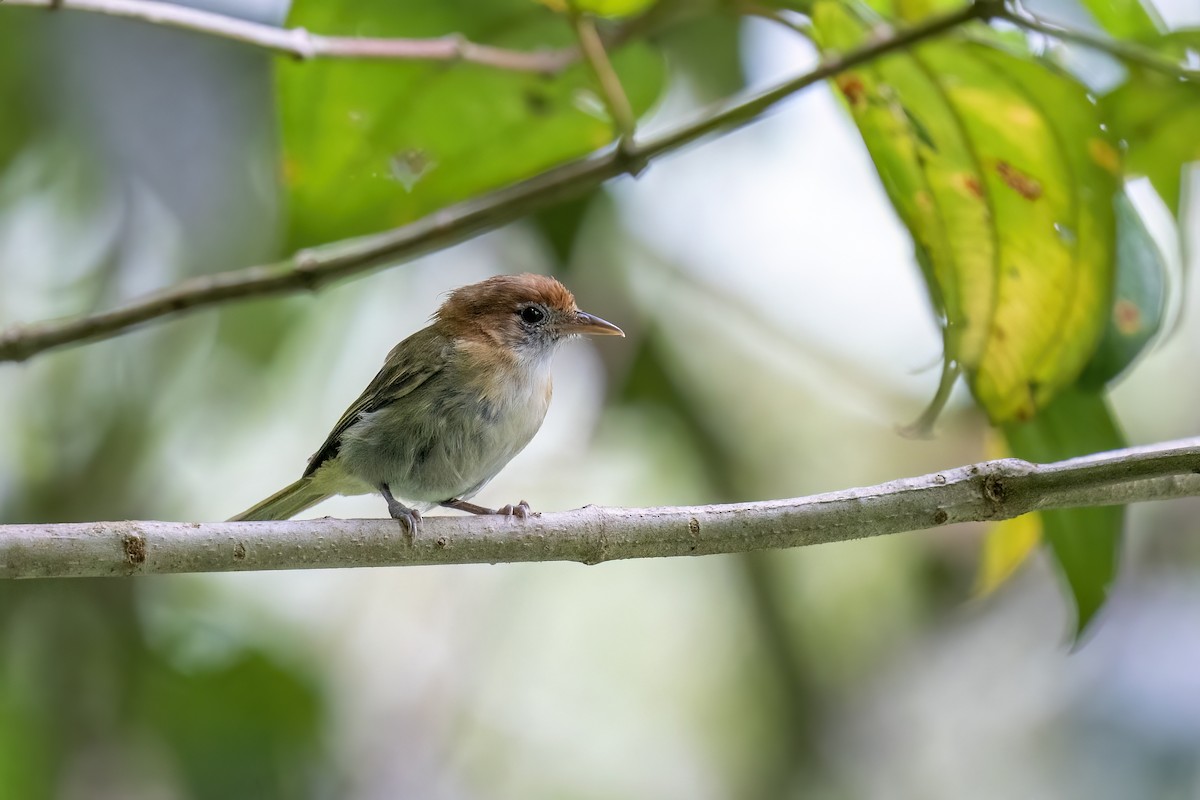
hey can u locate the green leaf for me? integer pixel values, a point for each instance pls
(373, 144)
(997, 164)
(932, 176)
(1157, 118)
(1085, 542)
(1139, 302)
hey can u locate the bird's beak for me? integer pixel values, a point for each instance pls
(589, 324)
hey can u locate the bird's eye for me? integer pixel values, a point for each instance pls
(532, 315)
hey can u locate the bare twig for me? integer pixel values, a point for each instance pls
(1124, 51)
(993, 490)
(606, 77)
(778, 16)
(301, 44)
(310, 269)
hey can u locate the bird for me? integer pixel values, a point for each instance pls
(452, 405)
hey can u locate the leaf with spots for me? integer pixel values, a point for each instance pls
(998, 165)
(927, 166)
(369, 145)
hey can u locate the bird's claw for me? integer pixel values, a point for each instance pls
(521, 510)
(408, 518)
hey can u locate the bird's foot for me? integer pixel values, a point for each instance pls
(408, 518)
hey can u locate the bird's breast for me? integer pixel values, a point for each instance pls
(510, 414)
(450, 439)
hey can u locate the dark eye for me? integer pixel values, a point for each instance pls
(532, 315)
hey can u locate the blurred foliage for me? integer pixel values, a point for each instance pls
(84, 701)
(707, 49)
(1157, 117)
(393, 140)
(21, 114)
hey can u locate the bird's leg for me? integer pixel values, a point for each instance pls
(408, 517)
(521, 510)
(470, 508)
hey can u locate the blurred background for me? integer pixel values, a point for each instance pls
(778, 334)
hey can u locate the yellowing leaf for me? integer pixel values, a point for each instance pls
(934, 179)
(998, 166)
(1007, 546)
(1009, 542)
(1057, 278)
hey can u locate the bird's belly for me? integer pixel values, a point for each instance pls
(449, 451)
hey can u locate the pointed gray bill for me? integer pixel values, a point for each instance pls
(593, 325)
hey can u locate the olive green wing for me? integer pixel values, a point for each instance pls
(410, 364)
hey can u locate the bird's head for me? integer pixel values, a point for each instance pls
(526, 314)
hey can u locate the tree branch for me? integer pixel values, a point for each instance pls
(779, 16)
(301, 44)
(993, 490)
(310, 269)
(1123, 51)
(606, 77)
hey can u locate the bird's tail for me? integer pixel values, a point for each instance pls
(284, 504)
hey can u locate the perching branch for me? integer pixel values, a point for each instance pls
(303, 45)
(993, 490)
(312, 268)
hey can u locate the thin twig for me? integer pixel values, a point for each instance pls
(1124, 51)
(313, 268)
(778, 16)
(301, 44)
(993, 490)
(606, 77)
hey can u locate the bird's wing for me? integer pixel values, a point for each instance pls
(410, 364)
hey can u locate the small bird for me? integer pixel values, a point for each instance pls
(452, 405)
